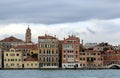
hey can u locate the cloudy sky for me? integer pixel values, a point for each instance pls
(91, 20)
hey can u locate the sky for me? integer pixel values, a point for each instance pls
(90, 20)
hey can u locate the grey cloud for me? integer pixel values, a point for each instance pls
(57, 11)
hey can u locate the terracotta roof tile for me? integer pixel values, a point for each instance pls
(46, 37)
(72, 38)
(31, 59)
(33, 47)
(91, 51)
(11, 39)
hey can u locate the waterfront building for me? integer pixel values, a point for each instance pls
(31, 62)
(70, 52)
(103, 47)
(10, 42)
(91, 59)
(111, 57)
(13, 59)
(48, 55)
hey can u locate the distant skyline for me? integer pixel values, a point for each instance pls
(90, 20)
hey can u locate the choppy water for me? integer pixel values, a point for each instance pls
(59, 73)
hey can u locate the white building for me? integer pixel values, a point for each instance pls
(90, 45)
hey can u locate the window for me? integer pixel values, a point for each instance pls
(54, 64)
(12, 59)
(36, 64)
(40, 58)
(98, 53)
(87, 53)
(31, 64)
(17, 54)
(80, 53)
(56, 59)
(12, 64)
(52, 51)
(27, 64)
(40, 52)
(56, 51)
(12, 50)
(44, 59)
(44, 64)
(4, 59)
(83, 53)
(8, 59)
(94, 53)
(80, 64)
(80, 58)
(19, 59)
(15, 59)
(44, 51)
(64, 56)
(94, 58)
(76, 52)
(31, 52)
(68, 51)
(45, 45)
(6, 54)
(47, 52)
(76, 56)
(6, 64)
(17, 64)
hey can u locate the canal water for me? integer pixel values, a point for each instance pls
(60, 73)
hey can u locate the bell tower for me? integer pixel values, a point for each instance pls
(28, 35)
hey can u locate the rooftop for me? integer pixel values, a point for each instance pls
(33, 47)
(31, 59)
(46, 37)
(11, 39)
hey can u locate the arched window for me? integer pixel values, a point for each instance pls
(44, 51)
(40, 52)
(56, 51)
(44, 59)
(52, 51)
